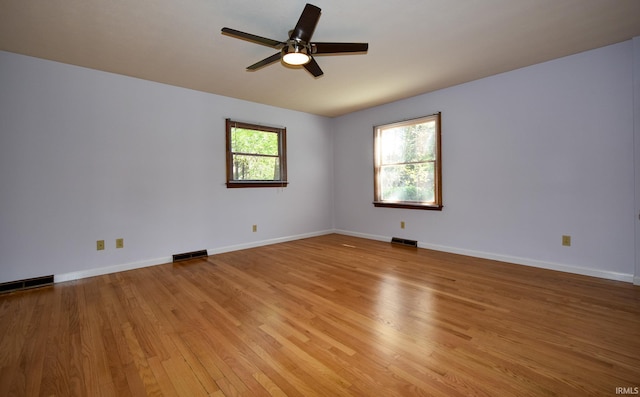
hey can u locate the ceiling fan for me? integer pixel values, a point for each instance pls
(298, 49)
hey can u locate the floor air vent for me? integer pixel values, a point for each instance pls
(26, 284)
(189, 255)
(404, 241)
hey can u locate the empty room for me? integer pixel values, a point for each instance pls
(242, 198)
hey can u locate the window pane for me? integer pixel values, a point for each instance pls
(254, 141)
(407, 163)
(256, 155)
(410, 182)
(410, 143)
(255, 168)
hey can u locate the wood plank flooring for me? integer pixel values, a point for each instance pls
(327, 316)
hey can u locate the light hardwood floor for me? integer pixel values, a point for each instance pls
(327, 316)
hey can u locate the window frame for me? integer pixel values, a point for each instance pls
(282, 155)
(437, 204)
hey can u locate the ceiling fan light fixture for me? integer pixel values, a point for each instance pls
(295, 54)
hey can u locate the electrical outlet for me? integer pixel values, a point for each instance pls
(401, 224)
(100, 245)
(255, 228)
(566, 240)
(119, 243)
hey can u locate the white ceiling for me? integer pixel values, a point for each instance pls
(414, 46)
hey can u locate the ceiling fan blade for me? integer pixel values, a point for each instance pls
(334, 48)
(313, 68)
(252, 37)
(267, 61)
(306, 24)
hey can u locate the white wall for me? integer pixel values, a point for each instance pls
(528, 156)
(87, 155)
(636, 124)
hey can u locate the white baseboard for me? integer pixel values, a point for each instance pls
(629, 278)
(59, 278)
(253, 244)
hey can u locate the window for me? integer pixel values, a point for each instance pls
(407, 164)
(256, 155)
